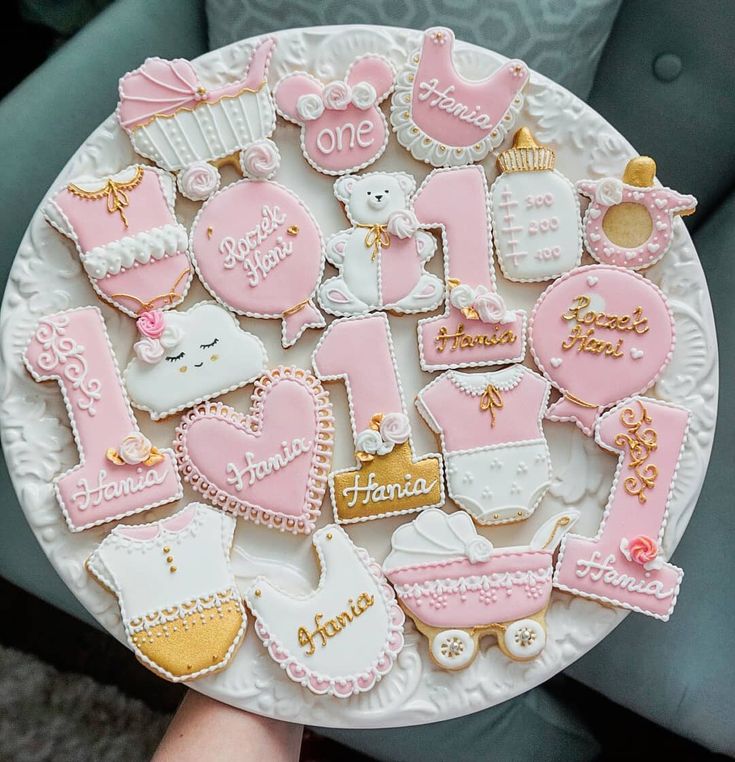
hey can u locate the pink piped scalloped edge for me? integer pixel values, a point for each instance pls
(253, 421)
(351, 684)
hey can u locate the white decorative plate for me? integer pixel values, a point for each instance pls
(46, 277)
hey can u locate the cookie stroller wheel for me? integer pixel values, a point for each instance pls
(453, 649)
(260, 160)
(524, 639)
(198, 181)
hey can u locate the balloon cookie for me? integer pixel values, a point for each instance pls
(630, 223)
(443, 118)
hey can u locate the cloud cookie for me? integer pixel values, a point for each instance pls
(184, 358)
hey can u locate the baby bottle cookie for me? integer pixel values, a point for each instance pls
(536, 216)
(630, 223)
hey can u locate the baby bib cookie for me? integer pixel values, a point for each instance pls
(179, 602)
(457, 587)
(623, 564)
(190, 128)
(259, 251)
(600, 333)
(342, 126)
(269, 465)
(381, 259)
(629, 223)
(389, 480)
(342, 638)
(184, 358)
(495, 452)
(535, 211)
(132, 248)
(120, 472)
(447, 120)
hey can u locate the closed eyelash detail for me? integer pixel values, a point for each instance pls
(174, 358)
(210, 345)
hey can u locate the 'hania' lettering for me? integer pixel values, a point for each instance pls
(256, 470)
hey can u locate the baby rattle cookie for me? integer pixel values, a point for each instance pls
(457, 587)
(179, 602)
(630, 223)
(343, 637)
(342, 126)
(184, 358)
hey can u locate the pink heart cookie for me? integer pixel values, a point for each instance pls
(271, 465)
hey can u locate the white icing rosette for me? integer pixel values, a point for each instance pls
(309, 107)
(371, 442)
(337, 96)
(198, 181)
(478, 549)
(395, 428)
(402, 223)
(260, 160)
(135, 449)
(609, 191)
(490, 307)
(149, 350)
(462, 296)
(171, 336)
(363, 96)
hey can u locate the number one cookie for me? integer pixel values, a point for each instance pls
(388, 480)
(476, 329)
(120, 472)
(623, 565)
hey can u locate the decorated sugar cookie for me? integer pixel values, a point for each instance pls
(495, 452)
(624, 563)
(191, 128)
(342, 126)
(184, 358)
(447, 120)
(389, 479)
(381, 259)
(457, 587)
(343, 637)
(259, 251)
(132, 247)
(120, 472)
(269, 466)
(477, 329)
(630, 223)
(535, 210)
(599, 334)
(179, 602)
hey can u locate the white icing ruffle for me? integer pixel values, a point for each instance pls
(476, 383)
(141, 248)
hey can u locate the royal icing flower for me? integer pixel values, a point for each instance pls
(371, 442)
(480, 304)
(309, 107)
(462, 296)
(158, 336)
(479, 549)
(260, 160)
(149, 350)
(363, 95)
(337, 95)
(135, 450)
(402, 223)
(199, 181)
(642, 550)
(490, 307)
(609, 191)
(151, 324)
(395, 428)
(171, 336)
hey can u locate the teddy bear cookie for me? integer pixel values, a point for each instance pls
(630, 222)
(381, 259)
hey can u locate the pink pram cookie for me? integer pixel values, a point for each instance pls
(342, 126)
(457, 587)
(190, 128)
(443, 118)
(629, 223)
(132, 247)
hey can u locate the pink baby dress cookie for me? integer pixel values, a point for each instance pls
(342, 126)
(132, 248)
(630, 223)
(190, 128)
(447, 120)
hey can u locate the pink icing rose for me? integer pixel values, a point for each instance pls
(395, 428)
(151, 324)
(135, 448)
(337, 96)
(641, 550)
(490, 307)
(199, 181)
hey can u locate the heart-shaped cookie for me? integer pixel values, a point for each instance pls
(271, 465)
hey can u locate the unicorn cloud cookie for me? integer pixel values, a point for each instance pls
(184, 358)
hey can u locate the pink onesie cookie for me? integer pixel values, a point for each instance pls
(447, 120)
(132, 247)
(342, 126)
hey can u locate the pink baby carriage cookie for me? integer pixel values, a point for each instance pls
(190, 129)
(342, 126)
(630, 222)
(457, 588)
(443, 118)
(131, 245)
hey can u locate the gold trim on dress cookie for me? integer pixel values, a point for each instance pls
(151, 304)
(114, 191)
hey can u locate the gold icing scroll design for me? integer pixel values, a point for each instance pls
(639, 441)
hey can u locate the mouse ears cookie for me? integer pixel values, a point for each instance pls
(447, 120)
(342, 126)
(630, 222)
